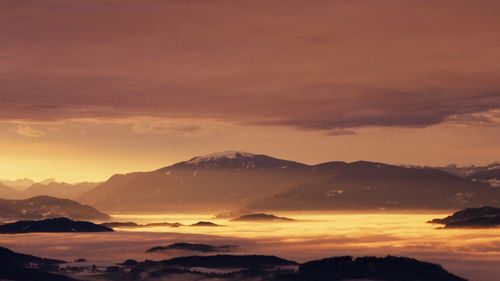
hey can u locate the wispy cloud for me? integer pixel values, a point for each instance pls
(28, 131)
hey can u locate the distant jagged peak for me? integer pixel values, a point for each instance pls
(48, 181)
(18, 184)
(230, 154)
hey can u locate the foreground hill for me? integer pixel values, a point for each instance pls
(15, 266)
(372, 268)
(232, 180)
(43, 207)
(52, 225)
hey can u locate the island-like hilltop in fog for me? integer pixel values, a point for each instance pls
(236, 180)
(482, 217)
(52, 225)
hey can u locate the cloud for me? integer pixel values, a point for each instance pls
(171, 127)
(28, 131)
(332, 66)
(488, 118)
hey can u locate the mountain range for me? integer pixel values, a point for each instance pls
(234, 180)
(27, 188)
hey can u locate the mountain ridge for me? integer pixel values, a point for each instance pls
(234, 179)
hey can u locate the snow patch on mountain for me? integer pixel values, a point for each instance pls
(231, 154)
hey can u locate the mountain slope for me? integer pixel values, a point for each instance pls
(16, 266)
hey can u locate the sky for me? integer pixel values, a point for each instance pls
(93, 88)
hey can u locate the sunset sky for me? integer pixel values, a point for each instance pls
(92, 88)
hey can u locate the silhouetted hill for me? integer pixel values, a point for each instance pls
(372, 268)
(472, 217)
(43, 207)
(20, 267)
(218, 261)
(262, 217)
(136, 225)
(52, 225)
(8, 256)
(120, 224)
(230, 180)
(205, 223)
(205, 248)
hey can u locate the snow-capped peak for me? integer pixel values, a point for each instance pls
(231, 154)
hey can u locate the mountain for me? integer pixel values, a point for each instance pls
(52, 225)
(483, 217)
(205, 183)
(19, 184)
(252, 182)
(367, 185)
(43, 207)
(58, 189)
